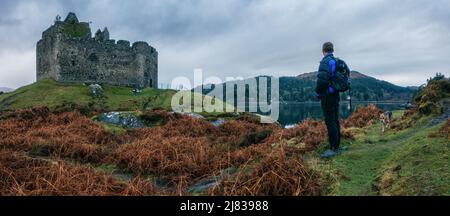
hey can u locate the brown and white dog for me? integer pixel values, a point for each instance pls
(386, 119)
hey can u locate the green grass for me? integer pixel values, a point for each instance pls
(407, 162)
(76, 30)
(107, 168)
(53, 94)
(122, 98)
(114, 129)
(421, 166)
(47, 93)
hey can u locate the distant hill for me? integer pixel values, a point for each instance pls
(5, 89)
(364, 88)
(313, 76)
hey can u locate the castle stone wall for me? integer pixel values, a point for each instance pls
(68, 53)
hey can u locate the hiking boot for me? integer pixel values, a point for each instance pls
(329, 154)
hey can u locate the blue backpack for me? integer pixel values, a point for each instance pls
(340, 80)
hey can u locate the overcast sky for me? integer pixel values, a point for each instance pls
(403, 41)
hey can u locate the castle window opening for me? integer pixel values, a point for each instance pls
(93, 57)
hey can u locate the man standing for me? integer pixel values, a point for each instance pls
(330, 97)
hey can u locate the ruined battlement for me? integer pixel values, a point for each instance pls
(68, 52)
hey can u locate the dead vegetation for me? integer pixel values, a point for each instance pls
(444, 131)
(185, 149)
(430, 100)
(363, 117)
(23, 176)
(278, 174)
(48, 153)
(66, 135)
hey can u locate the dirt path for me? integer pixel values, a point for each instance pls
(112, 171)
(446, 115)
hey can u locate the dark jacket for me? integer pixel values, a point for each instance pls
(327, 67)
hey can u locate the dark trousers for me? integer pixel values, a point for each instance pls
(330, 108)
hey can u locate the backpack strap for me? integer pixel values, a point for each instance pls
(333, 65)
(338, 62)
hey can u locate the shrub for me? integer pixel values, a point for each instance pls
(21, 176)
(63, 135)
(276, 175)
(169, 157)
(444, 131)
(309, 134)
(363, 117)
(178, 153)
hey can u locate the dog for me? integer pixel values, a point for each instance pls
(386, 119)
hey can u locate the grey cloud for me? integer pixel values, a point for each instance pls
(385, 39)
(9, 22)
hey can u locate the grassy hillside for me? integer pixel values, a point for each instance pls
(413, 158)
(52, 94)
(68, 153)
(406, 162)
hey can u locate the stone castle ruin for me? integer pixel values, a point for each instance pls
(67, 52)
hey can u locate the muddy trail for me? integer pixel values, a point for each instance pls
(445, 103)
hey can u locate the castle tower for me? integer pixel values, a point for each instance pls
(102, 35)
(67, 52)
(106, 33)
(71, 18)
